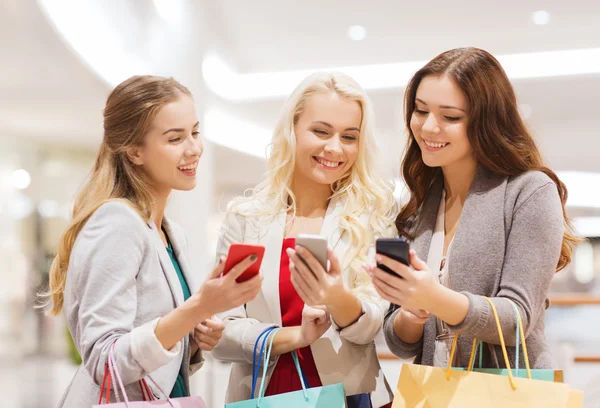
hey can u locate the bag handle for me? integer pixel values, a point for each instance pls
(502, 344)
(112, 372)
(520, 339)
(257, 361)
(267, 357)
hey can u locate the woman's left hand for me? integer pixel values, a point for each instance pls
(315, 285)
(207, 335)
(413, 288)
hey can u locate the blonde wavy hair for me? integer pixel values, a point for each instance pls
(130, 109)
(362, 188)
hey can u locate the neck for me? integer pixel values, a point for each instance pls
(458, 178)
(160, 203)
(311, 197)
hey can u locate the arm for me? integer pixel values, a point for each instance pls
(241, 332)
(104, 265)
(532, 252)
(404, 337)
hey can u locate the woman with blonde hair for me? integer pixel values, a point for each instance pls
(121, 273)
(321, 180)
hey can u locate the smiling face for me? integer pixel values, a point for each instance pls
(172, 147)
(327, 138)
(439, 122)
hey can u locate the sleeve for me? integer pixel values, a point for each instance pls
(241, 332)
(394, 343)
(532, 252)
(104, 264)
(370, 322)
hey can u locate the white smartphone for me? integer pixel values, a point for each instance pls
(317, 245)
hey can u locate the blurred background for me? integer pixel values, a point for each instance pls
(59, 59)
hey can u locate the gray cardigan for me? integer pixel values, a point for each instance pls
(507, 245)
(120, 281)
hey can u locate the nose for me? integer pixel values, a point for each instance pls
(334, 145)
(194, 147)
(430, 125)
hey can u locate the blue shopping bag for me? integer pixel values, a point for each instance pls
(328, 396)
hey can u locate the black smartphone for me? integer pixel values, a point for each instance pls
(395, 248)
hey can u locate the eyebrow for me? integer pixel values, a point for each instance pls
(442, 106)
(180, 129)
(329, 126)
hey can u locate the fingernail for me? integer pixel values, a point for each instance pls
(300, 250)
(253, 257)
(221, 259)
(378, 258)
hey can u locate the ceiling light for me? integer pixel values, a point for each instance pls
(21, 179)
(540, 17)
(222, 80)
(357, 32)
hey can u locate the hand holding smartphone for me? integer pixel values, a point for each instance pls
(239, 252)
(395, 248)
(317, 245)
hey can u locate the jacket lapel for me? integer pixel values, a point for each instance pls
(167, 266)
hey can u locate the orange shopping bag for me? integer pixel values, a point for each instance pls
(433, 387)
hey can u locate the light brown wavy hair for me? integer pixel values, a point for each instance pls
(500, 139)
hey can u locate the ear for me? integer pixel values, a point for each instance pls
(134, 154)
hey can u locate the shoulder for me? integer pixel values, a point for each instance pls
(116, 219)
(531, 186)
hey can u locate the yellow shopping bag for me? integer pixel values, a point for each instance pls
(433, 387)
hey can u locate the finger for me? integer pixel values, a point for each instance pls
(334, 263)
(387, 292)
(416, 262)
(390, 280)
(240, 268)
(218, 271)
(397, 267)
(303, 289)
(215, 324)
(312, 263)
(250, 284)
(298, 267)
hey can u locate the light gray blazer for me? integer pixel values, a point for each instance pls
(345, 355)
(507, 245)
(120, 281)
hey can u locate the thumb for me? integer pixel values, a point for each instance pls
(334, 263)
(415, 262)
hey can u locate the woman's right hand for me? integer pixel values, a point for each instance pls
(315, 322)
(414, 316)
(220, 293)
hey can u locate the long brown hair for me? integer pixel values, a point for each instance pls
(130, 109)
(500, 140)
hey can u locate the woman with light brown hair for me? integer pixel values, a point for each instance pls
(121, 273)
(485, 213)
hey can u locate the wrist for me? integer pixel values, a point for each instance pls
(200, 311)
(298, 339)
(338, 298)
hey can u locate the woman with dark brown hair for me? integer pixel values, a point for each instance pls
(484, 212)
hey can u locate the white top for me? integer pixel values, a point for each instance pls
(438, 264)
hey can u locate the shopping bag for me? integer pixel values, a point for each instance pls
(434, 387)
(112, 374)
(536, 374)
(328, 396)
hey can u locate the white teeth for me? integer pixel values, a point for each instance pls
(189, 166)
(433, 144)
(328, 163)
